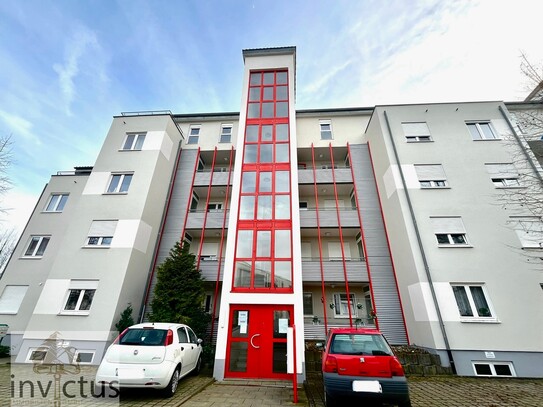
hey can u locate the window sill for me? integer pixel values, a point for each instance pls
(479, 320)
(487, 139)
(128, 150)
(456, 246)
(51, 211)
(419, 141)
(74, 313)
(513, 187)
(30, 257)
(95, 247)
(7, 313)
(115, 193)
(435, 187)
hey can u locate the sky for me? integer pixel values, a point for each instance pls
(67, 67)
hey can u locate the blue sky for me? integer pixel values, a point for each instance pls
(67, 67)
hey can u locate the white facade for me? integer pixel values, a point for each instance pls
(400, 218)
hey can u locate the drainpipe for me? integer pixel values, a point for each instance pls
(421, 248)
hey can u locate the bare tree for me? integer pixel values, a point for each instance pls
(8, 240)
(6, 157)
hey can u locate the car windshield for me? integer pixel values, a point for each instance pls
(144, 337)
(360, 344)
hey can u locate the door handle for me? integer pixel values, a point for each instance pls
(252, 344)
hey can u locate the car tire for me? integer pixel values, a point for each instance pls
(329, 401)
(170, 389)
(198, 367)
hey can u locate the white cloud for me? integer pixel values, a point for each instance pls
(68, 71)
(19, 126)
(19, 206)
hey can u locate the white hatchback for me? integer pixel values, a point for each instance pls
(151, 355)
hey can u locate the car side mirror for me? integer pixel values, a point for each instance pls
(319, 346)
(199, 341)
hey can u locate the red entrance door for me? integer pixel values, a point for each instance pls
(257, 341)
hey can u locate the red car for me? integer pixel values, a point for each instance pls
(358, 365)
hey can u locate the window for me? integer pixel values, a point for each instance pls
(529, 230)
(119, 183)
(303, 205)
(471, 301)
(360, 246)
(37, 246)
(208, 303)
(503, 175)
(101, 233)
(84, 357)
(308, 303)
(449, 231)
(214, 207)
(431, 175)
(226, 133)
(79, 297)
(56, 203)
(493, 369)
(11, 298)
(194, 202)
(37, 354)
(134, 142)
(194, 135)
(416, 132)
(340, 305)
(481, 131)
(326, 129)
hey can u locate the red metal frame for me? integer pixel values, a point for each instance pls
(190, 196)
(323, 289)
(388, 247)
(205, 209)
(161, 232)
(216, 294)
(258, 314)
(362, 235)
(341, 239)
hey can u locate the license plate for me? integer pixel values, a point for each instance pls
(130, 373)
(367, 386)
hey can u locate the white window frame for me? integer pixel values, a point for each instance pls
(338, 310)
(432, 178)
(481, 133)
(492, 368)
(473, 308)
(506, 182)
(79, 351)
(433, 184)
(117, 189)
(103, 237)
(56, 203)
(136, 144)
(416, 138)
(529, 230)
(38, 349)
(41, 240)
(303, 303)
(194, 138)
(223, 134)
(215, 207)
(83, 286)
(452, 228)
(323, 130)
(12, 297)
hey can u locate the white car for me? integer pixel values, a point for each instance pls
(151, 355)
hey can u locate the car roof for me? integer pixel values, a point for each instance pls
(158, 325)
(347, 330)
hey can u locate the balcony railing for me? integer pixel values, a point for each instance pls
(333, 270)
(328, 217)
(215, 218)
(315, 331)
(324, 175)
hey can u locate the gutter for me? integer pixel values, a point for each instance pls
(421, 248)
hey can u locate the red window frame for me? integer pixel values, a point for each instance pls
(260, 86)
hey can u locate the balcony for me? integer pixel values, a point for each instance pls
(208, 268)
(315, 331)
(333, 270)
(324, 175)
(220, 177)
(195, 219)
(328, 218)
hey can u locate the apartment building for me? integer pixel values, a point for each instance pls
(390, 217)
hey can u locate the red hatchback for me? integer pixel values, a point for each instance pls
(359, 365)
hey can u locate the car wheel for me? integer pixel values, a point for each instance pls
(329, 401)
(198, 367)
(170, 389)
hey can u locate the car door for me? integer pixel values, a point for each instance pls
(184, 342)
(194, 347)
